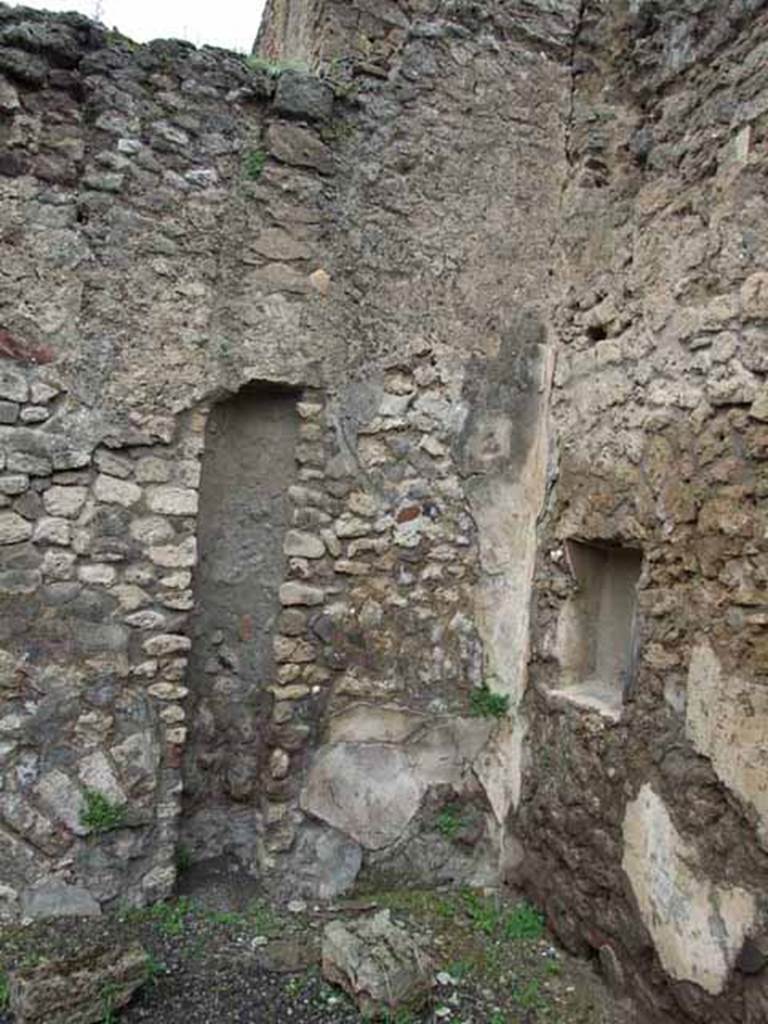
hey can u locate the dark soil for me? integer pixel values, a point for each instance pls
(219, 953)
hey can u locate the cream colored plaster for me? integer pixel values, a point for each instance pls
(506, 512)
(727, 721)
(697, 926)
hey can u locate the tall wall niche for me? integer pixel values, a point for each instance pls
(597, 630)
(248, 466)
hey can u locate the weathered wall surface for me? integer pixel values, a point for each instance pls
(248, 468)
(507, 259)
(143, 273)
(646, 814)
(178, 227)
(443, 420)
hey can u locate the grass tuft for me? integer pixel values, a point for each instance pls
(524, 922)
(449, 820)
(484, 703)
(255, 159)
(171, 917)
(100, 814)
(275, 68)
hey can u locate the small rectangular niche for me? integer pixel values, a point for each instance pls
(596, 634)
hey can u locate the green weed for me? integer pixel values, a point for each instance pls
(524, 922)
(100, 814)
(275, 68)
(445, 908)
(482, 912)
(449, 820)
(530, 996)
(401, 1016)
(226, 917)
(255, 159)
(32, 960)
(5, 992)
(295, 986)
(460, 969)
(171, 916)
(484, 703)
(154, 969)
(262, 917)
(183, 859)
(108, 993)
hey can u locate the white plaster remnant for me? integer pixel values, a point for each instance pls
(697, 926)
(727, 721)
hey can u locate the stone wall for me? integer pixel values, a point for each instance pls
(467, 335)
(644, 806)
(146, 271)
(179, 229)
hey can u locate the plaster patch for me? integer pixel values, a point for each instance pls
(366, 790)
(697, 927)
(727, 721)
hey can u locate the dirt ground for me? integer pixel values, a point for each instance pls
(221, 953)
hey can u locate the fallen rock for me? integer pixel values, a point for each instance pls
(86, 989)
(289, 956)
(382, 967)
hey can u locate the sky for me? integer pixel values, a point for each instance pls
(229, 23)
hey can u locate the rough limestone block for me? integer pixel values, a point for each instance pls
(166, 643)
(19, 581)
(175, 556)
(9, 412)
(34, 414)
(27, 462)
(9, 98)
(151, 470)
(115, 491)
(64, 501)
(13, 386)
(298, 544)
(82, 990)
(381, 965)
(63, 800)
(57, 899)
(172, 501)
(14, 483)
(40, 392)
(53, 530)
(298, 147)
(13, 528)
(293, 593)
(303, 95)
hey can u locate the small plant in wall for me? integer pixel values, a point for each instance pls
(100, 814)
(275, 68)
(450, 821)
(484, 703)
(254, 164)
(108, 999)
